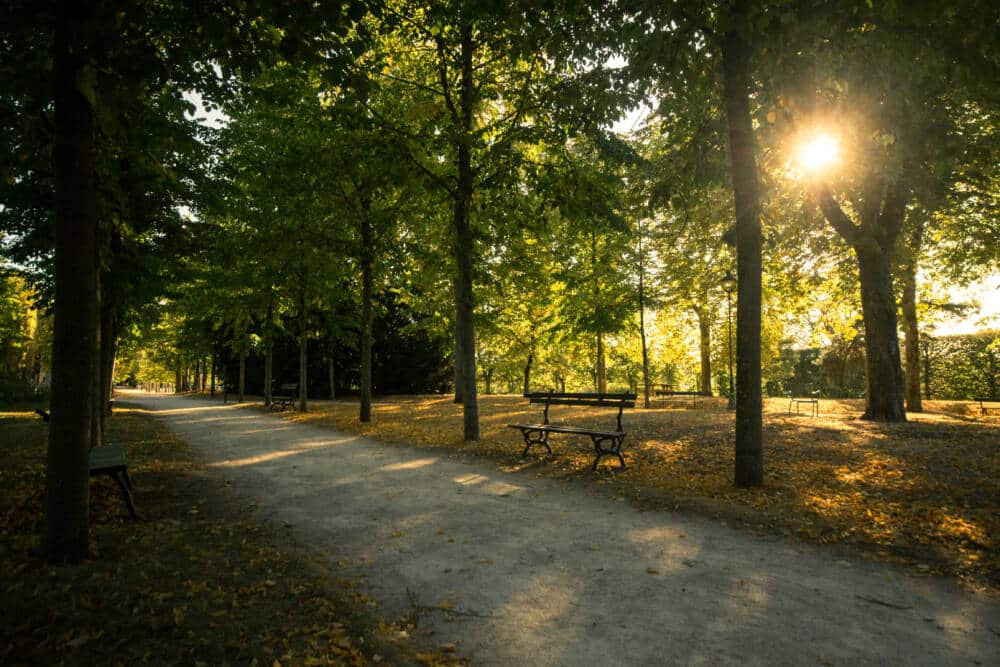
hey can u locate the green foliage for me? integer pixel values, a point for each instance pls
(963, 367)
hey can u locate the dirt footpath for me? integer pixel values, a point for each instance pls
(524, 571)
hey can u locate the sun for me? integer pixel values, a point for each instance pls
(818, 153)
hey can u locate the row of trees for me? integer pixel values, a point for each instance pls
(455, 155)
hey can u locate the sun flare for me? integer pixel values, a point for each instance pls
(818, 153)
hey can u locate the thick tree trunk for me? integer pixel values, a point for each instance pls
(367, 279)
(177, 375)
(705, 347)
(749, 469)
(884, 397)
(465, 243)
(75, 354)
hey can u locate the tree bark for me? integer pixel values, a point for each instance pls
(884, 396)
(642, 324)
(458, 353)
(527, 372)
(911, 334)
(211, 386)
(911, 328)
(705, 347)
(600, 367)
(465, 243)
(303, 360)
(749, 468)
(75, 354)
(333, 390)
(243, 368)
(268, 370)
(367, 279)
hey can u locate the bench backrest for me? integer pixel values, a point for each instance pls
(595, 400)
(290, 387)
(548, 398)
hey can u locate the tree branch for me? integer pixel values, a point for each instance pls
(836, 217)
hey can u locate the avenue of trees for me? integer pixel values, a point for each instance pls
(425, 196)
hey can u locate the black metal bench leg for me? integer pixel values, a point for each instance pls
(125, 485)
(601, 451)
(542, 439)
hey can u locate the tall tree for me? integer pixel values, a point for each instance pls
(75, 326)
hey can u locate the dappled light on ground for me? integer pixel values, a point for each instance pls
(926, 492)
(409, 465)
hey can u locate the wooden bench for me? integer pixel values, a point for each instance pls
(285, 398)
(668, 391)
(606, 443)
(985, 409)
(108, 460)
(811, 400)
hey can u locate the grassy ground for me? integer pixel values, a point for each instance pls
(197, 580)
(925, 493)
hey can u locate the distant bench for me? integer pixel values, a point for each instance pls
(286, 396)
(108, 460)
(668, 391)
(985, 409)
(606, 443)
(811, 400)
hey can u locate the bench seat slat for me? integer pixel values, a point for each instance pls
(609, 397)
(554, 428)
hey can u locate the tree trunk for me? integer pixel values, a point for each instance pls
(177, 375)
(527, 372)
(642, 326)
(488, 380)
(911, 329)
(367, 279)
(241, 390)
(749, 469)
(268, 369)
(705, 347)
(333, 390)
(884, 395)
(211, 386)
(97, 406)
(109, 346)
(303, 360)
(75, 354)
(911, 333)
(458, 354)
(926, 342)
(465, 244)
(600, 367)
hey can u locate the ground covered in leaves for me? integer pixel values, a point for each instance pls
(197, 580)
(925, 493)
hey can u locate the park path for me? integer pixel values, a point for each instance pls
(524, 571)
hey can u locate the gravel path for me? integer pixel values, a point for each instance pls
(524, 571)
